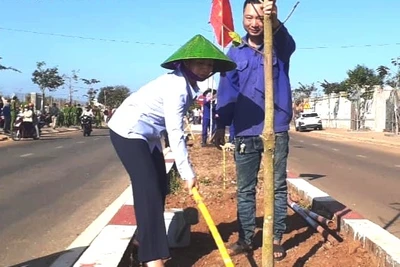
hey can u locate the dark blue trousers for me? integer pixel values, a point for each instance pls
(149, 180)
(205, 127)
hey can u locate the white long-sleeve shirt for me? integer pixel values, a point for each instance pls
(158, 106)
(87, 113)
(28, 116)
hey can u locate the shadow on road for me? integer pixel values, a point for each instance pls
(97, 135)
(312, 176)
(395, 206)
(47, 260)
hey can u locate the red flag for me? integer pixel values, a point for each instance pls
(222, 21)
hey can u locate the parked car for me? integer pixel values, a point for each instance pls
(308, 120)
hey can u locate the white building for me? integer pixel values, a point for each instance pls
(337, 111)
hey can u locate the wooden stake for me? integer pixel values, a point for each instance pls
(268, 137)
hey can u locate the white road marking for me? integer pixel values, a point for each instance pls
(59, 147)
(80, 142)
(96, 139)
(397, 166)
(26, 155)
(335, 149)
(315, 144)
(361, 156)
(301, 141)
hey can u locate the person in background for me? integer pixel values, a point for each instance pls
(87, 112)
(208, 112)
(35, 119)
(78, 114)
(196, 116)
(54, 112)
(14, 111)
(7, 117)
(135, 130)
(67, 113)
(241, 95)
(28, 114)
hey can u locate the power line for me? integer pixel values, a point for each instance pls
(177, 45)
(86, 38)
(347, 46)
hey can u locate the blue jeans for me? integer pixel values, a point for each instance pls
(247, 168)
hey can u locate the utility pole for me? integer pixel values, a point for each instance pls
(70, 90)
(73, 78)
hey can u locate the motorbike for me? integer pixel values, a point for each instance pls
(23, 129)
(86, 122)
(44, 120)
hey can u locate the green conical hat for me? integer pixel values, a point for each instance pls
(200, 48)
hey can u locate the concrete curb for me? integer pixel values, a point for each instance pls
(59, 130)
(105, 241)
(385, 246)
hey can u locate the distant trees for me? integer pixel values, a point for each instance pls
(359, 87)
(304, 91)
(47, 79)
(91, 93)
(113, 95)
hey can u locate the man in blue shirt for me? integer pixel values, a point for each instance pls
(240, 100)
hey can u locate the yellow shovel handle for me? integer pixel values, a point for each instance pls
(214, 231)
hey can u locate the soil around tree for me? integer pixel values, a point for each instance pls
(304, 246)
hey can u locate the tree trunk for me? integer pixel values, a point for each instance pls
(269, 148)
(43, 99)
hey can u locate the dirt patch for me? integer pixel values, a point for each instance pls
(305, 246)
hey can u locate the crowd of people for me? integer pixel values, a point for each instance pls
(53, 116)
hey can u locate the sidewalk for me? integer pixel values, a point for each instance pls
(44, 131)
(381, 138)
(60, 129)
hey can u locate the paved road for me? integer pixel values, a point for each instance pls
(361, 176)
(51, 190)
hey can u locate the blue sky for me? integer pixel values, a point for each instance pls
(315, 23)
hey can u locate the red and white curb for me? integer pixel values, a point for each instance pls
(104, 242)
(373, 237)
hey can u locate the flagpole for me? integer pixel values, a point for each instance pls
(222, 48)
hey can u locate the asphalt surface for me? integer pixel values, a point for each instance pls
(364, 177)
(51, 190)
